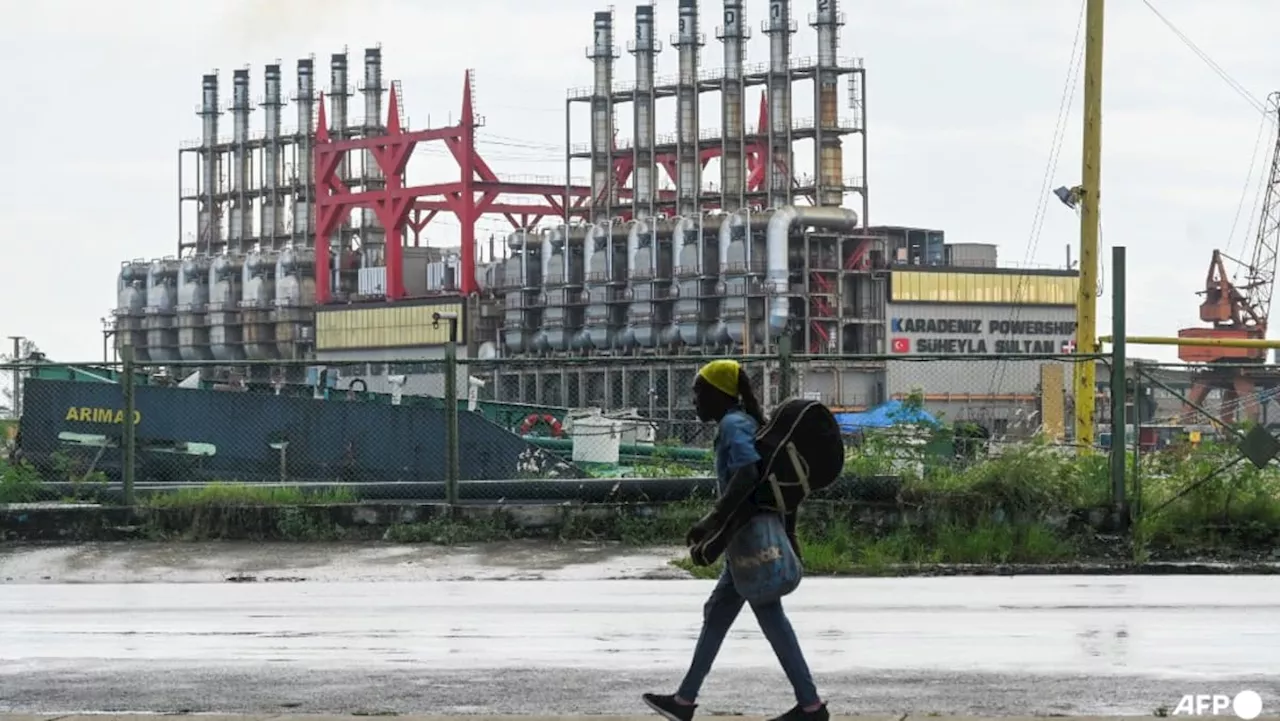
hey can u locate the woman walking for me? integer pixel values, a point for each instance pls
(722, 393)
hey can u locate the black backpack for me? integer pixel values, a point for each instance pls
(801, 451)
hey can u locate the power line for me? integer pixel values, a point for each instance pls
(1074, 62)
(1248, 178)
(1204, 57)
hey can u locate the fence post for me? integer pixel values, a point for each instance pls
(129, 427)
(1135, 506)
(784, 367)
(451, 439)
(17, 376)
(1119, 387)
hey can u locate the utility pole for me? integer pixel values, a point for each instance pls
(17, 375)
(1090, 193)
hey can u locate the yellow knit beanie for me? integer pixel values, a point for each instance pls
(722, 375)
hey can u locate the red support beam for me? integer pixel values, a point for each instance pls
(477, 192)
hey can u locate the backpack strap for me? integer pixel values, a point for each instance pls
(793, 455)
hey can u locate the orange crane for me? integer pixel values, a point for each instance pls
(1239, 310)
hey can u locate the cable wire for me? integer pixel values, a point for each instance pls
(1248, 181)
(1074, 63)
(1208, 61)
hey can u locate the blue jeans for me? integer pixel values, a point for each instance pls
(718, 616)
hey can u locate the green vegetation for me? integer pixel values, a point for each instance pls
(842, 548)
(21, 483)
(234, 510)
(921, 495)
(231, 495)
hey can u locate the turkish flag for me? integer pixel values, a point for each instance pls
(900, 345)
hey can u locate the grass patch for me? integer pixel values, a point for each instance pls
(230, 495)
(839, 547)
(237, 510)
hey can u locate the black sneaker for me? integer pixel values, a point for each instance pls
(799, 714)
(667, 705)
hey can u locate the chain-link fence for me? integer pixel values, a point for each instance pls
(564, 429)
(1202, 448)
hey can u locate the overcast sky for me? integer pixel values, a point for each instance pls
(963, 96)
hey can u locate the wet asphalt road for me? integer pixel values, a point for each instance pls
(561, 644)
(1024, 645)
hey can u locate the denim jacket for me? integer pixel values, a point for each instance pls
(735, 445)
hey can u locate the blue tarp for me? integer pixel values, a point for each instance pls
(883, 416)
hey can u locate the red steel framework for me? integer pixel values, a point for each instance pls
(477, 192)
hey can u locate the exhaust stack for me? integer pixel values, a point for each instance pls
(240, 234)
(271, 224)
(373, 240)
(339, 120)
(688, 164)
(602, 53)
(207, 226)
(304, 189)
(828, 161)
(734, 34)
(645, 47)
(779, 26)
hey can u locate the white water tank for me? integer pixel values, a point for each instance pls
(596, 439)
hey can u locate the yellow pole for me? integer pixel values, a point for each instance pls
(1091, 191)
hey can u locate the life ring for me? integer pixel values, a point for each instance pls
(534, 419)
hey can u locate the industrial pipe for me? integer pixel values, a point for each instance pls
(241, 229)
(602, 54)
(707, 223)
(779, 27)
(304, 172)
(548, 252)
(733, 220)
(733, 34)
(681, 229)
(686, 237)
(688, 165)
(635, 229)
(272, 223)
(828, 158)
(373, 237)
(655, 267)
(1194, 342)
(519, 240)
(594, 235)
(210, 173)
(597, 233)
(776, 242)
(629, 336)
(645, 48)
(338, 116)
(746, 219)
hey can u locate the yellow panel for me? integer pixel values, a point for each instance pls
(1052, 403)
(912, 286)
(386, 327)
